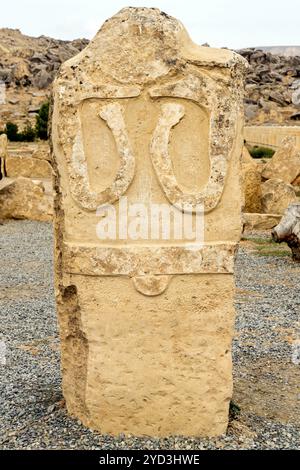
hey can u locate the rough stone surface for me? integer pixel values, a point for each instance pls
(285, 163)
(28, 66)
(146, 328)
(28, 167)
(251, 175)
(253, 221)
(22, 198)
(276, 196)
(272, 87)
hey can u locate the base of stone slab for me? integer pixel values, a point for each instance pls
(254, 221)
(148, 366)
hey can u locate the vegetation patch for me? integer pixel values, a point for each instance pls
(267, 246)
(261, 152)
(29, 133)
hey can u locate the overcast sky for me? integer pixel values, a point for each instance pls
(230, 23)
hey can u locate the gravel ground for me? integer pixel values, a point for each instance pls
(266, 411)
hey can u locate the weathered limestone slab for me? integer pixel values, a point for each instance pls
(253, 221)
(285, 163)
(276, 196)
(22, 198)
(146, 325)
(28, 167)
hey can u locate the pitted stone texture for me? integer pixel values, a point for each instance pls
(146, 325)
(156, 369)
(276, 196)
(252, 221)
(285, 163)
(28, 167)
(22, 198)
(160, 260)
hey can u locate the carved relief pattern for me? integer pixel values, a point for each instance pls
(78, 171)
(221, 139)
(150, 267)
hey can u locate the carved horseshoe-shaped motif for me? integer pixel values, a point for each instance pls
(221, 138)
(78, 172)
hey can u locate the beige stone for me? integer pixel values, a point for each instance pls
(3, 154)
(28, 167)
(276, 196)
(285, 163)
(3, 145)
(42, 151)
(251, 176)
(146, 325)
(22, 198)
(253, 221)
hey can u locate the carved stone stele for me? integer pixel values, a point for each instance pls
(146, 325)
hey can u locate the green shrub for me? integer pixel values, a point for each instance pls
(41, 126)
(261, 152)
(28, 134)
(11, 130)
(13, 134)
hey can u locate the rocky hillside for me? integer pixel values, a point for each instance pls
(272, 87)
(28, 66)
(288, 51)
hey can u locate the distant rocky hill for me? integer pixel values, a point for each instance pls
(288, 51)
(272, 87)
(28, 66)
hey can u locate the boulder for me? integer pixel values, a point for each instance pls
(28, 167)
(285, 163)
(251, 177)
(253, 221)
(22, 198)
(276, 196)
